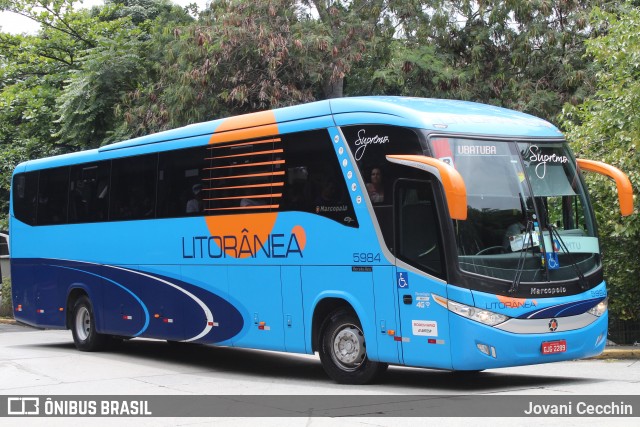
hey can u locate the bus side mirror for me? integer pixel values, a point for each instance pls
(623, 184)
(454, 187)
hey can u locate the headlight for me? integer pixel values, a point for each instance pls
(483, 316)
(601, 308)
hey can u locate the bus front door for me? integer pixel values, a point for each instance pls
(420, 273)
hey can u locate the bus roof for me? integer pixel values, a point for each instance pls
(436, 114)
(446, 116)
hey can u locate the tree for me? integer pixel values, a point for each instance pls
(33, 72)
(522, 55)
(243, 56)
(59, 89)
(345, 31)
(606, 127)
(119, 64)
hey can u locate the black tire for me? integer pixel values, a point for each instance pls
(343, 351)
(83, 327)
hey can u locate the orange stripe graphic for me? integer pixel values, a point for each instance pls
(246, 165)
(252, 175)
(248, 126)
(244, 144)
(251, 196)
(274, 184)
(255, 153)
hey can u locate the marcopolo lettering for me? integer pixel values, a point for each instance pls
(548, 291)
(276, 245)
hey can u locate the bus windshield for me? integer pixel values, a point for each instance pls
(528, 214)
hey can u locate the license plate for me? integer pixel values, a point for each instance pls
(553, 347)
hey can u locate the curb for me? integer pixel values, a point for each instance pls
(621, 352)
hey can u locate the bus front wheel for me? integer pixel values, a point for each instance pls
(83, 327)
(343, 350)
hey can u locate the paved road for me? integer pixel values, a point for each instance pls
(34, 362)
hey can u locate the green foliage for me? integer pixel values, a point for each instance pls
(59, 90)
(606, 128)
(243, 56)
(522, 55)
(118, 65)
(6, 305)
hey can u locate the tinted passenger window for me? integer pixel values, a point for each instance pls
(89, 192)
(370, 145)
(314, 181)
(242, 177)
(25, 195)
(133, 183)
(180, 184)
(52, 196)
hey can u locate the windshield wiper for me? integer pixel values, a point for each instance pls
(581, 279)
(522, 259)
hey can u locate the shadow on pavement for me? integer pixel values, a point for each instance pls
(272, 365)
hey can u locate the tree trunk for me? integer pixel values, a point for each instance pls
(333, 89)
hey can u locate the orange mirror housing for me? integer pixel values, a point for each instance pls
(454, 187)
(623, 184)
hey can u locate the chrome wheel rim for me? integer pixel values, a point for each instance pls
(83, 323)
(348, 347)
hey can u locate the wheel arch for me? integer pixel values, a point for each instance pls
(328, 303)
(74, 292)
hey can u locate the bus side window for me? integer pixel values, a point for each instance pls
(314, 181)
(89, 192)
(133, 188)
(53, 196)
(241, 177)
(25, 194)
(180, 175)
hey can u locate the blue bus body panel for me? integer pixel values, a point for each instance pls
(132, 302)
(424, 326)
(541, 308)
(519, 349)
(442, 115)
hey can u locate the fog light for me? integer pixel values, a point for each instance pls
(483, 348)
(486, 349)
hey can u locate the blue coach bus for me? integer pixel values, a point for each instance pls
(374, 231)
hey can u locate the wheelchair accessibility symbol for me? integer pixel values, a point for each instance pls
(403, 280)
(552, 261)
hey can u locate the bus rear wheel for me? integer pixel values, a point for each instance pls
(83, 327)
(343, 350)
